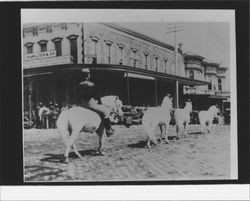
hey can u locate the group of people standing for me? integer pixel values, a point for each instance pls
(46, 115)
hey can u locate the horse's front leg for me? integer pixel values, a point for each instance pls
(100, 135)
(178, 130)
(166, 132)
(209, 128)
(202, 128)
(186, 128)
(161, 130)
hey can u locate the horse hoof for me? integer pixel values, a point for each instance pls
(100, 153)
(167, 142)
(64, 159)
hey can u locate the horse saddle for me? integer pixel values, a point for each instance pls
(94, 110)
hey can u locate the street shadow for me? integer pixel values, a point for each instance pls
(143, 143)
(194, 133)
(140, 144)
(39, 172)
(59, 158)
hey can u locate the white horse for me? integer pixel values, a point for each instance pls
(155, 116)
(206, 118)
(182, 119)
(75, 120)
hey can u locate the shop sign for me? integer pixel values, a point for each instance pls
(47, 62)
(40, 55)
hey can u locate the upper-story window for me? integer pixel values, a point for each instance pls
(219, 85)
(165, 64)
(210, 83)
(95, 40)
(108, 46)
(29, 47)
(58, 46)
(121, 47)
(146, 53)
(43, 45)
(191, 74)
(156, 62)
(134, 50)
(73, 47)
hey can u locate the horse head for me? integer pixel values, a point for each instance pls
(167, 102)
(189, 106)
(214, 110)
(118, 107)
(114, 103)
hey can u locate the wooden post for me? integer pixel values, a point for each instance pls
(177, 93)
(128, 97)
(156, 92)
(30, 100)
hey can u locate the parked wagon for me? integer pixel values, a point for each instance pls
(133, 115)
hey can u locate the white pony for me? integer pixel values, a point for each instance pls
(75, 120)
(182, 119)
(155, 116)
(206, 118)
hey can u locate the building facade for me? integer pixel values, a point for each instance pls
(137, 68)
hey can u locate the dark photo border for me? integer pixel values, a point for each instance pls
(11, 150)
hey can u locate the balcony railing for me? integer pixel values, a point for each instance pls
(194, 91)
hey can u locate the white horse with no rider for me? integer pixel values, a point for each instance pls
(155, 116)
(182, 119)
(75, 120)
(206, 118)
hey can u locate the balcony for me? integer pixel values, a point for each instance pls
(222, 93)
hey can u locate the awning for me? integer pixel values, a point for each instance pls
(136, 72)
(134, 75)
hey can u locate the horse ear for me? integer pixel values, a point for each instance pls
(116, 98)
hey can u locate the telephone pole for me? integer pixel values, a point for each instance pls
(174, 29)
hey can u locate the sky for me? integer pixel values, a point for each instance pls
(208, 39)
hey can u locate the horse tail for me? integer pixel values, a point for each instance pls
(63, 126)
(147, 124)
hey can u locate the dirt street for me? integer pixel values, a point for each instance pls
(126, 158)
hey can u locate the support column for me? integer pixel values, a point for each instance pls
(156, 93)
(67, 90)
(177, 94)
(30, 91)
(128, 92)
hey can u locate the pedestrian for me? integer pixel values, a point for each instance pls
(88, 97)
(38, 120)
(43, 116)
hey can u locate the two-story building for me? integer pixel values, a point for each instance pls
(137, 68)
(197, 67)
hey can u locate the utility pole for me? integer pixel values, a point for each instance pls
(174, 29)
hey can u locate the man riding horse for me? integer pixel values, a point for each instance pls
(89, 98)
